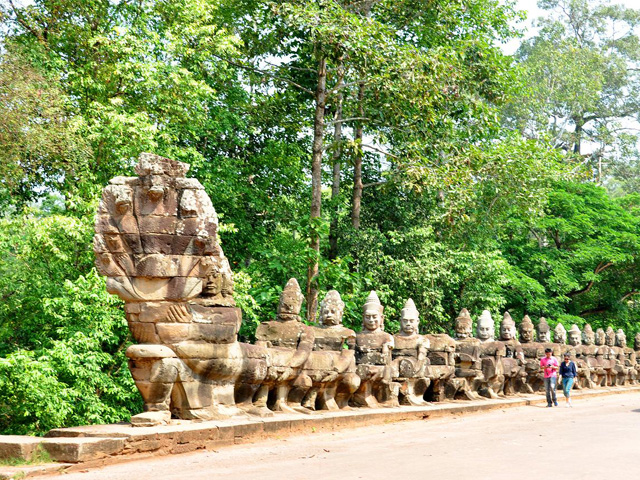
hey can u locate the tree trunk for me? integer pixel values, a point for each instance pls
(316, 188)
(335, 184)
(357, 164)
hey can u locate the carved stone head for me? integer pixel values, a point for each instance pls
(560, 334)
(588, 335)
(636, 344)
(526, 330)
(372, 313)
(544, 331)
(409, 318)
(600, 337)
(575, 336)
(507, 327)
(464, 325)
(485, 331)
(609, 337)
(290, 302)
(621, 338)
(331, 309)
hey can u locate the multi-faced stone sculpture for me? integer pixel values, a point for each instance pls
(156, 242)
(410, 357)
(373, 357)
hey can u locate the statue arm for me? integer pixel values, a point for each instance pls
(305, 345)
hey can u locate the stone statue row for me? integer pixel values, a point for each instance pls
(156, 242)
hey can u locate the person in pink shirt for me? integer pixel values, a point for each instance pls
(550, 365)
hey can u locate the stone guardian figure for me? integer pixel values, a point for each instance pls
(373, 357)
(410, 358)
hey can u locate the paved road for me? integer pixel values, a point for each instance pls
(599, 438)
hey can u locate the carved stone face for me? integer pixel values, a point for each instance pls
(526, 333)
(600, 337)
(507, 331)
(560, 334)
(409, 323)
(485, 329)
(543, 330)
(463, 329)
(609, 337)
(372, 319)
(574, 338)
(588, 336)
(621, 339)
(331, 313)
(637, 342)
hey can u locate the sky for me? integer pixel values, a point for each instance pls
(533, 12)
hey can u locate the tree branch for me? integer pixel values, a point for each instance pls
(264, 72)
(629, 295)
(600, 268)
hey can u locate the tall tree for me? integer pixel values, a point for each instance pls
(581, 83)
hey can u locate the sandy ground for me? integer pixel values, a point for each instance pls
(599, 438)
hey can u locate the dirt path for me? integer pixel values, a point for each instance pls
(597, 438)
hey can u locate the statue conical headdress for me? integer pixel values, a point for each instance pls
(373, 303)
(543, 330)
(409, 309)
(507, 320)
(636, 344)
(574, 329)
(588, 335)
(290, 301)
(526, 323)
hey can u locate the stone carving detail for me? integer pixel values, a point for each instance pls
(491, 353)
(373, 357)
(468, 374)
(156, 242)
(410, 358)
(331, 366)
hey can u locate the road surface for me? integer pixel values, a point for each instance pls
(599, 438)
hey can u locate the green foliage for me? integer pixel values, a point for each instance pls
(63, 336)
(459, 209)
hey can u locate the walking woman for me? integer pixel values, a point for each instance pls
(569, 373)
